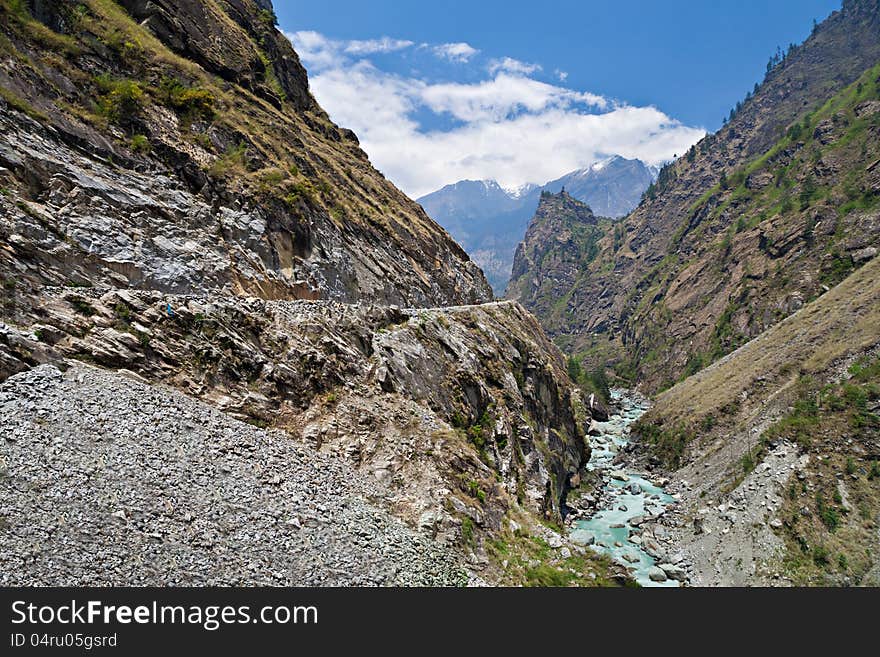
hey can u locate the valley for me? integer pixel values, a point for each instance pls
(233, 353)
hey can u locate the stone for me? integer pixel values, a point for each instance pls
(864, 254)
(656, 574)
(776, 523)
(554, 540)
(619, 475)
(673, 571)
(582, 537)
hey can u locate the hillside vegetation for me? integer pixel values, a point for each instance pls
(201, 112)
(813, 381)
(750, 224)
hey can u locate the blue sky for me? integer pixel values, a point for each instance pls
(523, 92)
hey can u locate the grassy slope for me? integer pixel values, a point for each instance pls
(275, 152)
(813, 379)
(844, 322)
(743, 250)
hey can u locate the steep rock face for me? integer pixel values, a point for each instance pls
(125, 164)
(666, 283)
(464, 411)
(559, 245)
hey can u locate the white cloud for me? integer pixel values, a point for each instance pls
(455, 52)
(316, 50)
(509, 127)
(501, 97)
(383, 45)
(562, 76)
(320, 52)
(511, 65)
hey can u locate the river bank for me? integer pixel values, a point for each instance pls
(627, 519)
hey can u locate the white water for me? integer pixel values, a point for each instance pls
(619, 506)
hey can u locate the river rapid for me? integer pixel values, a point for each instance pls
(627, 500)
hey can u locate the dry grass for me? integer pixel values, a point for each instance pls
(844, 321)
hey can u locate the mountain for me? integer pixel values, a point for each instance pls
(742, 293)
(612, 187)
(232, 177)
(555, 250)
(201, 331)
(489, 221)
(756, 220)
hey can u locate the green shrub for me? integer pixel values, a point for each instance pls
(140, 144)
(82, 306)
(668, 443)
(122, 311)
(121, 100)
(707, 423)
(575, 371)
(546, 575)
(467, 530)
(800, 423)
(191, 103)
(828, 514)
(233, 161)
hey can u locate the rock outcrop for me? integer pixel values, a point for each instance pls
(559, 245)
(755, 220)
(184, 213)
(125, 164)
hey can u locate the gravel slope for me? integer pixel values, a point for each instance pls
(105, 480)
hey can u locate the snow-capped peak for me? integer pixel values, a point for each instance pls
(520, 190)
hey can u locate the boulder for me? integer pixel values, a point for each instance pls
(864, 254)
(673, 571)
(582, 537)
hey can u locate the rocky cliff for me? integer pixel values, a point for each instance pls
(756, 220)
(140, 152)
(561, 241)
(188, 244)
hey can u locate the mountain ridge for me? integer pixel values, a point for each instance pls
(490, 221)
(664, 296)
